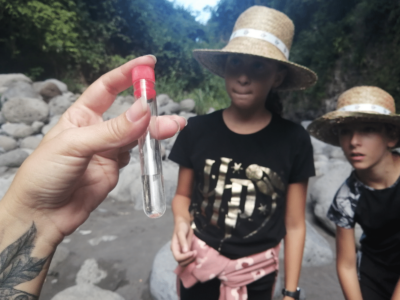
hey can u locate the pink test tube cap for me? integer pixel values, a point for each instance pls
(147, 73)
(143, 72)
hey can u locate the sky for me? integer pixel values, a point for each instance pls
(197, 6)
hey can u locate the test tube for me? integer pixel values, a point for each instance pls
(143, 80)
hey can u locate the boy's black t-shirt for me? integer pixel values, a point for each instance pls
(377, 212)
(239, 192)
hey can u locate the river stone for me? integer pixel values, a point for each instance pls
(187, 115)
(37, 126)
(13, 158)
(324, 189)
(169, 109)
(49, 90)
(18, 90)
(53, 121)
(187, 105)
(90, 273)
(163, 99)
(31, 142)
(61, 85)
(19, 130)
(6, 179)
(59, 104)
(8, 143)
(118, 107)
(9, 79)
(87, 292)
(317, 251)
(163, 278)
(25, 110)
(129, 186)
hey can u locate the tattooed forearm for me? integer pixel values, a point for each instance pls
(17, 266)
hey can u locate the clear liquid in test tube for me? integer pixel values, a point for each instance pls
(154, 206)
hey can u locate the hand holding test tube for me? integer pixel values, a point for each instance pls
(143, 80)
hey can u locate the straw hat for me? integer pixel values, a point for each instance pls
(358, 104)
(264, 32)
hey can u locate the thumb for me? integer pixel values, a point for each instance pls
(183, 241)
(114, 133)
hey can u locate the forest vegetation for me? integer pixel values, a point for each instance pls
(346, 42)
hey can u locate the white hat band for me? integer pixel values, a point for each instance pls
(363, 107)
(262, 35)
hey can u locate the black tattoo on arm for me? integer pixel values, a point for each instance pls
(17, 266)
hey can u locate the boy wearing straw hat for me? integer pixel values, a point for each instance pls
(366, 127)
(244, 171)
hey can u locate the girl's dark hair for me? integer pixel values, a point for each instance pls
(274, 103)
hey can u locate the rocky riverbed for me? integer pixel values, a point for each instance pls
(119, 253)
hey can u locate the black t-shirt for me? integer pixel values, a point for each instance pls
(239, 194)
(377, 212)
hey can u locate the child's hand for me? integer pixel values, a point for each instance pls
(180, 244)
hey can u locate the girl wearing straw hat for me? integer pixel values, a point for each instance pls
(366, 127)
(244, 171)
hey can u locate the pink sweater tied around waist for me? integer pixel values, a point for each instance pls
(234, 275)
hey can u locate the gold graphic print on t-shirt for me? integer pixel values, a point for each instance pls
(266, 181)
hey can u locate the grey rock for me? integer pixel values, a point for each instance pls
(305, 123)
(324, 189)
(9, 79)
(129, 99)
(25, 110)
(53, 121)
(37, 126)
(2, 119)
(187, 105)
(162, 278)
(59, 104)
(59, 256)
(13, 158)
(18, 90)
(118, 107)
(87, 292)
(8, 143)
(31, 142)
(90, 273)
(129, 187)
(317, 251)
(61, 85)
(49, 90)
(37, 86)
(163, 99)
(6, 179)
(169, 109)
(19, 130)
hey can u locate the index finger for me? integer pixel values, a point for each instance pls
(101, 94)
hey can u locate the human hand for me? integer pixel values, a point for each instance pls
(77, 163)
(181, 242)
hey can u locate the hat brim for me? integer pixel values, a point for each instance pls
(297, 77)
(322, 128)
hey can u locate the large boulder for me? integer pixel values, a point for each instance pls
(169, 109)
(25, 110)
(324, 189)
(49, 90)
(19, 130)
(163, 99)
(53, 121)
(129, 187)
(19, 89)
(13, 158)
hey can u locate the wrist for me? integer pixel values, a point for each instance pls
(291, 294)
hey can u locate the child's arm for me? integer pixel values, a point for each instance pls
(346, 263)
(182, 236)
(396, 294)
(295, 233)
